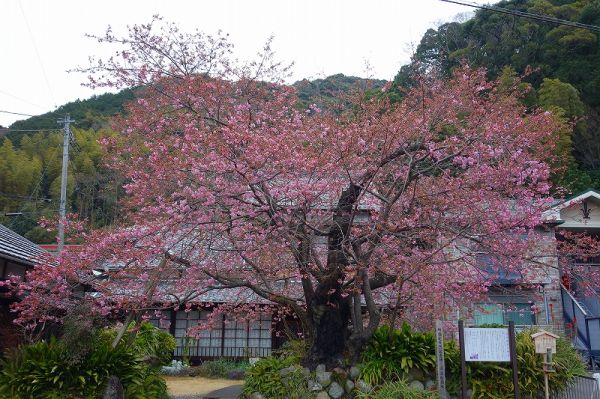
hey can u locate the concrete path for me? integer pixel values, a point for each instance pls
(232, 392)
(201, 388)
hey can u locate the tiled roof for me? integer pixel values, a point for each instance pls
(18, 248)
(240, 295)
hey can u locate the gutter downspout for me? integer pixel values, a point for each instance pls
(546, 306)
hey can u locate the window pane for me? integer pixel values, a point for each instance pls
(181, 324)
(488, 314)
(254, 333)
(520, 314)
(204, 334)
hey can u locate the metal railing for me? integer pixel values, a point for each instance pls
(583, 328)
(582, 387)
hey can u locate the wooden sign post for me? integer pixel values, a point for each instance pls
(439, 357)
(513, 357)
(545, 344)
(463, 364)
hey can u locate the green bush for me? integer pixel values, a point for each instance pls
(155, 345)
(44, 370)
(396, 390)
(494, 380)
(452, 366)
(296, 348)
(264, 377)
(148, 384)
(390, 353)
(151, 341)
(218, 368)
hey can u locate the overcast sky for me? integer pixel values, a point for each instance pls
(42, 39)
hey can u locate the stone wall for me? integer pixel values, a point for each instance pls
(338, 383)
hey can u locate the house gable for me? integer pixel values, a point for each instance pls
(581, 211)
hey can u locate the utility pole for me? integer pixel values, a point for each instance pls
(63, 181)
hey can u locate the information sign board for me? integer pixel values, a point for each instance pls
(486, 345)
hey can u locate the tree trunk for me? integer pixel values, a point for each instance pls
(330, 319)
(328, 310)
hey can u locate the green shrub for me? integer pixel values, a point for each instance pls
(147, 384)
(34, 371)
(390, 353)
(452, 366)
(296, 348)
(80, 327)
(494, 380)
(218, 368)
(264, 377)
(150, 342)
(44, 370)
(396, 390)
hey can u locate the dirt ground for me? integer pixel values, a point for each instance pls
(196, 385)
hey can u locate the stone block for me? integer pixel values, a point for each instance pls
(114, 389)
(335, 390)
(363, 386)
(349, 386)
(322, 395)
(314, 386)
(417, 385)
(323, 377)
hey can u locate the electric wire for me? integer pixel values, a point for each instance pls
(12, 196)
(54, 129)
(21, 99)
(15, 113)
(37, 53)
(33, 192)
(523, 14)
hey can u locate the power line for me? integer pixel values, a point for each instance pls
(15, 113)
(54, 129)
(33, 192)
(37, 53)
(43, 141)
(21, 99)
(11, 196)
(523, 14)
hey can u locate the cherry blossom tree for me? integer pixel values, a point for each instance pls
(336, 218)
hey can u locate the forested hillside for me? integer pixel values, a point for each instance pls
(331, 91)
(30, 171)
(30, 162)
(92, 113)
(561, 64)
